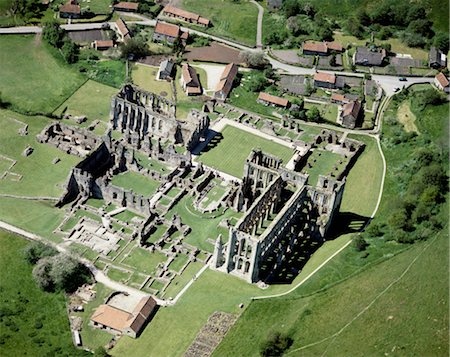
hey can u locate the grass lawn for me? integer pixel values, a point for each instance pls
(40, 217)
(372, 308)
(140, 184)
(151, 164)
(33, 323)
(364, 180)
(235, 20)
(180, 281)
(95, 202)
(39, 176)
(145, 77)
(203, 226)
(213, 195)
(328, 112)
(118, 275)
(229, 153)
(126, 216)
(98, 6)
(157, 234)
(92, 99)
(109, 72)
(144, 261)
(322, 164)
(31, 79)
(179, 262)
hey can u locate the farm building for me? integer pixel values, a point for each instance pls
(225, 84)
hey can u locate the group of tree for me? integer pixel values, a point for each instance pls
(402, 18)
(54, 271)
(254, 59)
(27, 9)
(275, 345)
(55, 36)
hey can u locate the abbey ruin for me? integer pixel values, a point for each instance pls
(278, 208)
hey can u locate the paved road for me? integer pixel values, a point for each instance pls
(259, 25)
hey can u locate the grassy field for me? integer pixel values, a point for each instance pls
(144, 261)
(235, 20)
(39, 176)
(31, 79)
(97, 6)
(363, 316)
(92, 99)
(328, 112)
(229, 153)
(26, 326)
(145, 77)
(322, 163)
(180, 281)
(140, 184)
(363, 181)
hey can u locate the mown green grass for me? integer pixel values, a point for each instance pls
(40, 217)
(312, 319)
(92, 99)
(180, 281)
(98, 6)
(364, 180)
(230, 153)
(39, 176)
(33, 323)
(179, 262)
(144, 261)
(31, 79)
(322, 163)
(235, 20)
(140, 184)
(145, 77)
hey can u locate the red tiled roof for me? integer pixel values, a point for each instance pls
(127, 5)
(227, 78)
(111, 317)
(273, 99)
(315, 47)
(70, 8)
(104, 43)
(334, 46)
(167, 29)
(352, 109)
(442, 79)
(203, 21)
(122, 27)
(172, 10)
(190, 78)
(325, 77)
(339, 98)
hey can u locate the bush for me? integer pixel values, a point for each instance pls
(313, 114)
(53, 33)
(134, 48)
(257, 82)
(359, 243)
(275, 345)
(254, 59)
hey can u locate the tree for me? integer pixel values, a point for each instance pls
(359, 243)
(333, 60)
(69, 51)
(291, 8)
(53, 33)
(257, 82)
(275, 345)
(441, 41)
(255, 59)
(37, 250)
(135, 48)
(42, 274)
(177, 46)
(313, 114)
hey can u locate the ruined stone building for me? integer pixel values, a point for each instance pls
(147, 114)
(273, 224)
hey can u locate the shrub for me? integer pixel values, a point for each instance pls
(37, 250)
(359, 243)
(275, 345)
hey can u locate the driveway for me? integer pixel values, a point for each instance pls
(213, 72)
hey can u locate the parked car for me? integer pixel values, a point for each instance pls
(402, 79)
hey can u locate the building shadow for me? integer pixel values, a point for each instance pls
(212, 139)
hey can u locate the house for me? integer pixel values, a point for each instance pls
(126, 6)
(70, 10)
(436, 59)
(339, 98)
(123, 33)
(325, 80)
(370, 88)
(189, 80)
(441, 81)
(118, 321)
(226, 81)
(350, 114)
(165, 32)
(314, 48)
(183, 15)
(321, 48)
(165, 70)
(272, 100)
(369, 57)
(103, 45)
